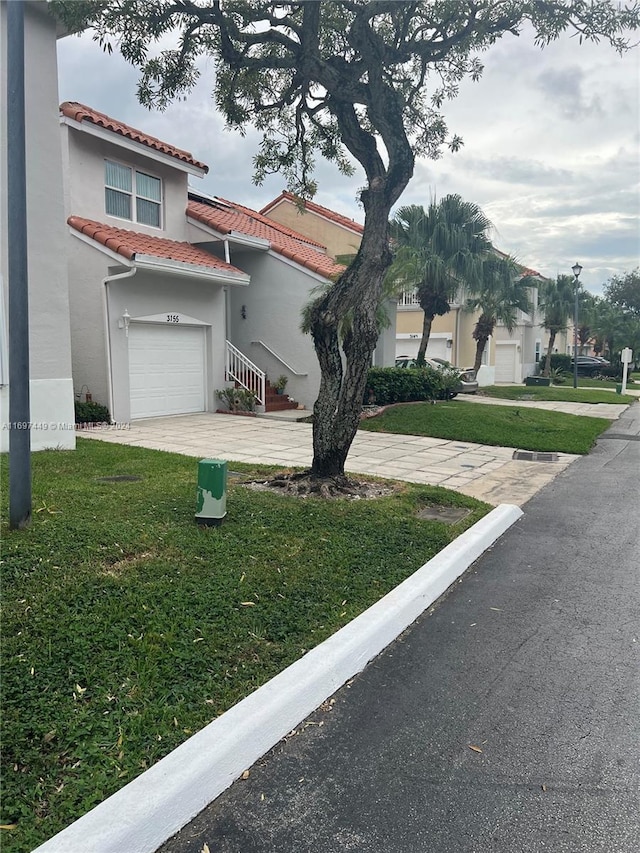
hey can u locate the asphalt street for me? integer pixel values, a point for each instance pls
(506, 719)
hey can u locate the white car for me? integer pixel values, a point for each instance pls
(468, 382)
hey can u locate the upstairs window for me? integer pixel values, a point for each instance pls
(132, 195)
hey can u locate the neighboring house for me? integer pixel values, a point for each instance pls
(147, 307)
(50, 387)
(340, 235)
(174, 293)
(508, 357)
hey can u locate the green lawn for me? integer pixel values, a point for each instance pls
(127, 627)
(560, 393)
(506, 426)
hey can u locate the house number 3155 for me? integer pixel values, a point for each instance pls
(173, 318)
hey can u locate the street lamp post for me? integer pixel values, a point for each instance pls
(576, 269)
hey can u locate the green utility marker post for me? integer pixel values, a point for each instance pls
(211, 506)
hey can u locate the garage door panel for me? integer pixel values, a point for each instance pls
(505, 364)
(166, 370)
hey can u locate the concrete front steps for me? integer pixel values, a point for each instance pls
(275, 402)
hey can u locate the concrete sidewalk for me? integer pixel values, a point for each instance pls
(480, 471)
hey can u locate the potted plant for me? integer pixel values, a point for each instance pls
(281, 383)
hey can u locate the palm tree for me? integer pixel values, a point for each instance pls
(438, 250)
(556, 300)
(501, 293)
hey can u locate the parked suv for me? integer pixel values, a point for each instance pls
(590, 365)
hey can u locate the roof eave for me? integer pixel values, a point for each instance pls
(131, 145)
(152, 263)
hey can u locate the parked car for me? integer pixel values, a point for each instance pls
(590, 365)
(468, 384)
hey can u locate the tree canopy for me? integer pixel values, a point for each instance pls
(624, 291)
(361, 80)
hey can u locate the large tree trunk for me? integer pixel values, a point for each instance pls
(344, 370)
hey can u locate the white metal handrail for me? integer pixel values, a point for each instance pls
(242, 370)
(279, 358)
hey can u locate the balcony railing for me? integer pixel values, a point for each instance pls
(407, 299)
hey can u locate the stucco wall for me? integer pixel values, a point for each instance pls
(141, 295)
(51, 389)
(85, 181)
(273, 303)
(337, 239)
(147, 294)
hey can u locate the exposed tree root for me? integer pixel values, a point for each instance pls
(304, 485)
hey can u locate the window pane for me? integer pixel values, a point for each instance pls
(148, 212)
(117, 204)
(117, 176)
(147, 187)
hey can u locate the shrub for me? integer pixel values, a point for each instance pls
(560, 361)
(611, 371)
(91, 413)
(401, 385)
(558, 376)
(237, 399)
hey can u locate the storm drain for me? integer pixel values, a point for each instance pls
(534, 456)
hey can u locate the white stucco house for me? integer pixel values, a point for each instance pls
(50, 386)
(174, 293)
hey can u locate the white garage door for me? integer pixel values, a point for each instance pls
(505, 363)
(436, 348)
(166, 370)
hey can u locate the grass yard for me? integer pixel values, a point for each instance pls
(505, 426)
(127, 627)
(558, 393)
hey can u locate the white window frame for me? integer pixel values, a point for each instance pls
(134, 194)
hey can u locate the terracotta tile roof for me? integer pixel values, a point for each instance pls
(224, 217)
(80, 112)
(524, 271)
(312, 207)
(132, 243)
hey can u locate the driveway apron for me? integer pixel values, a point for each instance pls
(505, 719)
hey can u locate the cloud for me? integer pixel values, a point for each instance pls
(564, 87)
(552, 148)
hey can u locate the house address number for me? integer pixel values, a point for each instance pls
(173, 318)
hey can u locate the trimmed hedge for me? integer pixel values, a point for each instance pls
(559, 361)
(612, 371)
(92, 413)
(402, 385)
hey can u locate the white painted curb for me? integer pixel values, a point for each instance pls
(146, 812)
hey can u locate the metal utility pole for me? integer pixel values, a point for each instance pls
(19, 404)
(576, 269)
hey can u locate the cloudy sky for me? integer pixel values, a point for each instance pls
(551, 153)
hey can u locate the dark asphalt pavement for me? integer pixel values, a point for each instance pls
(506, 719)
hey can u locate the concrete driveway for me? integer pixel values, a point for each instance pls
(488, 473)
